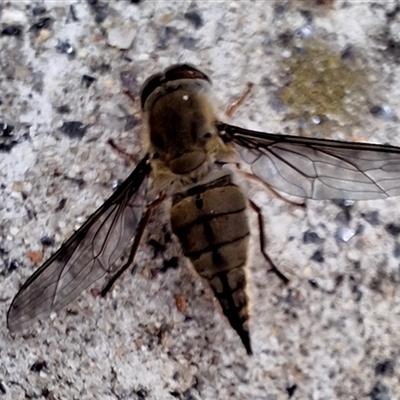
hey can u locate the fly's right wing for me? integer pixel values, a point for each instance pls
(86, 256)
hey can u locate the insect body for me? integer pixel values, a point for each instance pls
(208, 212)
(186, 149)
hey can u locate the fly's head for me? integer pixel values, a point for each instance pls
(180, 121)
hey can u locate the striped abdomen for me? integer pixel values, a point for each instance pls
(211, 224)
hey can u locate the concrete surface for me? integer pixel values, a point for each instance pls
(332, 333)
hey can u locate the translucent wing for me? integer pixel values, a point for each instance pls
(87, 256)
(317, 168)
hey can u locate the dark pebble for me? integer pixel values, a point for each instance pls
(385, 368)
(87, 80)
(318, 256)
(47, 241)
(291, 389)
(99, 9)
(171, 263)
(38, 366)
(38, 10)
(43, 23)
(12, 30)
(311, 237)
(393, 229)
(66, 48)
(142, 393)
(74, 129)
(380, 392)
(195, 18)
(372, 217)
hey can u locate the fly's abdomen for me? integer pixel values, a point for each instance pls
(211, 224)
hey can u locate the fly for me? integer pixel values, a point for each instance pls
(188, 151)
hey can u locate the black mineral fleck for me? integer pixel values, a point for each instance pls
(142, 394)
(391, 15)
(347, 53)
(372, 217)
(12, 30)
(396, 250)
(79, 181)
(165, 37)
(43, 23)
(99, 9)
(380, 392)
(285, 38)
(353, 284)
(38, 10)
(47, 241)
(63, 109)
(6, 130)
(157, 247)
(343, 217)
(66, 48)
(61, 204)
(74, 129)
(189, 43)
(100, 67)
(307, 15)
(87, 80)
(376, 110)
(171, 263)
(131, 122)
(393, 229)
(2, 388)
(311, 237)
(38, 366)
(290, 390)
(385, 368)
(382, 111)
(318, 256)
(393, 49)
(6, 147)
(195, 18)
(360, 229)
(313, 283)
(10, 265)
(73, 13)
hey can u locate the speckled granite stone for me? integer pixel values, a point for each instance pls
(332, 333)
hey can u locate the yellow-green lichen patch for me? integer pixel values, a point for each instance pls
(324, 86)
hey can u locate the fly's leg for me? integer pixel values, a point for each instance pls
(128, 93)
(274, 268)
(138, 237)
(236, 104)
(129, 158)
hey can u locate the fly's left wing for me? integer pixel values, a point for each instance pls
(86, 256)
(317, 168)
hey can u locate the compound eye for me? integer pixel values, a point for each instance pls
(149, 86)
(184, 71)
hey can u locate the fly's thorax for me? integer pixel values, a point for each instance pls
(180, 125)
